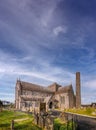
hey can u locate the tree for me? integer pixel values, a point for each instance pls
(1, 104)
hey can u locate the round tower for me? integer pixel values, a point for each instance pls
(78, 90)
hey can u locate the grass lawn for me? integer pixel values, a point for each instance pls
(84, 111)
(60, 125)
(22, 121)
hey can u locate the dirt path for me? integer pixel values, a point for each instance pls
(18, 120)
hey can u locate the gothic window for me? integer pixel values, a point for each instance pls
(25, 104)
(50, 105)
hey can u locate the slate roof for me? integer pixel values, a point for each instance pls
(65, 89)
(38, 88)
(34, 87)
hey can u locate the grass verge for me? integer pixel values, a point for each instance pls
(84, 111)
(59, 125)
(23, 121)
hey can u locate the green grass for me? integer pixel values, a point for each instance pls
(84, 111)
(59, 125)
(7, 116)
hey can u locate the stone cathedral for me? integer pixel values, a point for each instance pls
(28, 96)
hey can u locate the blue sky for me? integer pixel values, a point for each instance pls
(46, 41)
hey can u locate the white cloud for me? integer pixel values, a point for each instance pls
(11, 99)
(41, 70)
(42, 74)
(27, 29)
(59, 29)
(88, 57)
(33, 21)
(88, 100)
(90, 84)
(6, 94)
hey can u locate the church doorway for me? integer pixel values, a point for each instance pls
(50, 105)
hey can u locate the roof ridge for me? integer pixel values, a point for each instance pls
(67, 86)
(31, 84)
(36, 87)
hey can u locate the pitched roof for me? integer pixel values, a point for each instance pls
(65, 89)
(34, 87)
(54, 84)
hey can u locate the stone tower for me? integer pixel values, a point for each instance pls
(78, 90)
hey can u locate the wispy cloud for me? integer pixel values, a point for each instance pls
(47, 41)
(6, 94)
(59, 29)
(13, 69)
(90, 84)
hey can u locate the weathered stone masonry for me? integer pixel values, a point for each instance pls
(78, 90)
(28, 96)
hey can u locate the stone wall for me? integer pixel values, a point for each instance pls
(63, 100)
(54, 87)
(71, 99)
(17, 94)
(27, 99)
(31, 99)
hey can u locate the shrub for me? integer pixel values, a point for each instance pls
(63, 127)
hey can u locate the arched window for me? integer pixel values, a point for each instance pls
(50, 105)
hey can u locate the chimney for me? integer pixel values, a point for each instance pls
(78, 90)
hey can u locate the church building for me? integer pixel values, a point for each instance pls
(28, 96)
